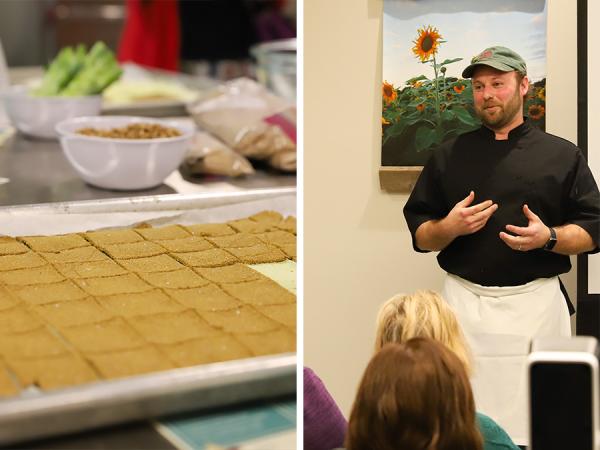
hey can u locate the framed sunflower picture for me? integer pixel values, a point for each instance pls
(425, 100)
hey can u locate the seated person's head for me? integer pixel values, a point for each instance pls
(422, 314)
(414, 396)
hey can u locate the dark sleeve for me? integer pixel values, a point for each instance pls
(584, 200)
(426, 201)
(324, 424)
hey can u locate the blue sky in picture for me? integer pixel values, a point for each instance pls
(468, 26)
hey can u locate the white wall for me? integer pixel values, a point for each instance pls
(357, 246)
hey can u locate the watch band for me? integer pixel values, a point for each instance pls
(551, 241)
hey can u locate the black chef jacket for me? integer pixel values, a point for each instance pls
(532, 167)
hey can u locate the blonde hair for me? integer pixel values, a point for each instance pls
(422, 314)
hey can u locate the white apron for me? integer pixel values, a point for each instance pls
(499, 323)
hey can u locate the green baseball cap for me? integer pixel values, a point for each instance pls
(501, 58)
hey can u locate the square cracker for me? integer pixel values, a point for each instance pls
(76, 312)
(177, 279)
(126, 363)
(204, 351)
(277, 238)
(210, 229)
(38, 294)
(7, 386)
(271, 342)
(134, 250)
(207, 298)
(18, 320)
(188, 244)
(120, 284)
(109, 237)
(149, 302)
(269, 217)
(258, 254)
(166, 328)
(55, 244)
(37, 275)
(22, 261)
(163, 233)
(235, 240)
(31, 344)
(76, 255)
(234, 273)
(244, 319)
(284, 314)
(52, 372)
(90, 269)
(110, 335)
(12, 247)
(261, 292)
(289, 224)
(208, 258)
(160, 263)
(250, 226)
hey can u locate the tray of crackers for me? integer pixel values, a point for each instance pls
(193, 308)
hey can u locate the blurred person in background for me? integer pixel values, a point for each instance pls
(151, 35)
(414, 395)
(426, 314)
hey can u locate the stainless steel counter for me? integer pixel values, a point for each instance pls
(38, 172)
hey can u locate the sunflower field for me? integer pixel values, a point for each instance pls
(426, 111)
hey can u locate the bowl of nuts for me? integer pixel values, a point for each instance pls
(124, 152)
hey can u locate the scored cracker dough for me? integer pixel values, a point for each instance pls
(12, 247)
(206, 298)
(55, 244)
(166, 328)
(120, 284)
(76, 312)
(32, 344)
(234, 273)
(277, 341)
(188, 244)
(134, 250)
(203, 351)
(36, 275)
(208, 258)
(18, 320)
(178, 279)
(109, 237)
(261, 292)
(210, 229)
(163, 233)
(141, 303)
(52, 372)
(240, 320)
(235, 240)
(22, 261)
(110, 335)
(76, 255)
(126, 363)
(160, 263)
(90, 269)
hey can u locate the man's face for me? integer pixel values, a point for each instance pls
(498, 96)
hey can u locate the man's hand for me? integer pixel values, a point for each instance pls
(435, 235)
(464, 219)
(534, 235)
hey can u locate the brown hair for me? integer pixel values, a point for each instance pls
(414, 396)
(422, 314)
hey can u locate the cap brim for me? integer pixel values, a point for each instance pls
(468, 72)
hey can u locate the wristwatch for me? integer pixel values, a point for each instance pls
(552, 241)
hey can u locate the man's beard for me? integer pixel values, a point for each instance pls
(502, 116)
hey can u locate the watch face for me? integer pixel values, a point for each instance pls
(561, 406)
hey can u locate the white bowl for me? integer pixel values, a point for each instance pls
(122, 164)
(38, 116)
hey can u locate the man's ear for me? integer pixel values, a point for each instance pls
(524, 86)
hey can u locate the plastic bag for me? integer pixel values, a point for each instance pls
(208, 155)
(251, 120)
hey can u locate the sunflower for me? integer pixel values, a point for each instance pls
(536, 112)
(458, 88)
(542, 94)
(420, 107)
(417, 84)
(384, 121)
(389, 93)
(427, 42)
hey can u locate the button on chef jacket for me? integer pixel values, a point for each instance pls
(532, 167)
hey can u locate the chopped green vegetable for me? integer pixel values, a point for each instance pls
(75, 73)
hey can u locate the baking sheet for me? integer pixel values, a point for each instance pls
(34, 414)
